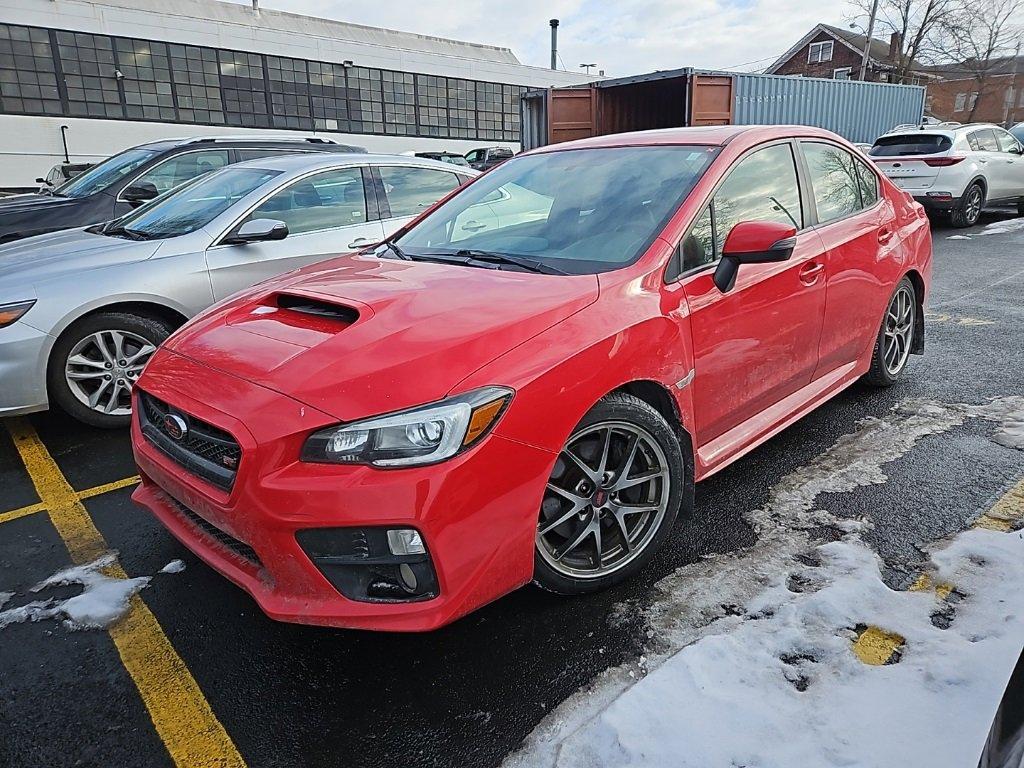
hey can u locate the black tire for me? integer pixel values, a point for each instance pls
(621, 408)
(151, 329)
(968, 208)
(880, 374)
(1020, 207)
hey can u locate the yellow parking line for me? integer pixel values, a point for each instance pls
(183, 718)
(1006, 512)
(14, 514)
(876, 647)
(108, 487)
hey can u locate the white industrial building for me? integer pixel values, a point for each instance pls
(122, 72)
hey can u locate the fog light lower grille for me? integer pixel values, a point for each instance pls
(361, 564)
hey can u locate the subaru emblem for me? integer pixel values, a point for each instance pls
(175, 426)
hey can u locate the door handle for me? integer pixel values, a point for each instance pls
(473, 226)
(810, 271)
(884, 235)
(359, 242)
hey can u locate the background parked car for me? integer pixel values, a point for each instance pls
(1018, 132)
(955, 169)
(488, 157)
(82, 310)
(126, 180)
(445, 157)
(61, 174)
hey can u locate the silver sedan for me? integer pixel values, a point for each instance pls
(82, 310)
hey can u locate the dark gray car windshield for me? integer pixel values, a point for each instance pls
(579, 211)
(101, 176)
(192, 205)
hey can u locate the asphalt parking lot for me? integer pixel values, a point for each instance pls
(197, 676)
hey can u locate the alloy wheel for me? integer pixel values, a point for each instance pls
(605, 500)
(102, 367)
(899, 330)
(973, 208)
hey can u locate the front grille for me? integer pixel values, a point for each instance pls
(225, 540)
(205, 450)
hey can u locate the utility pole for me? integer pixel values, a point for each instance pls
(554, 43)
(1012, 97)
(867, 43)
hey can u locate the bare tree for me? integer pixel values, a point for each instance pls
(978, 35)
(919, 25)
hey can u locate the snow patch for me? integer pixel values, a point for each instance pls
(959, 237)
(1003, 227)
(175, 566)
(102, 602)
(703, 600)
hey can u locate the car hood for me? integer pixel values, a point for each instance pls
(42, 257)
(402, 333)
(33, 203)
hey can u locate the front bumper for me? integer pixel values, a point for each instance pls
(23, 353)
(476, 513)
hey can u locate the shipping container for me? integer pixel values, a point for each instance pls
(858, 111)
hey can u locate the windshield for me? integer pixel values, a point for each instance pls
(101, 176)
(192, 205)
(581, 211)
(910, 144)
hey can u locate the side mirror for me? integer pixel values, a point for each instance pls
(41, 180)
(257, 231)
(753, 242)
(139, 193)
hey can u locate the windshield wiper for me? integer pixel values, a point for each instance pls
(120, 231)
(469, 255)
(397, 251)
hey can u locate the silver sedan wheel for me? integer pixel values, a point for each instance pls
(605, 500)
(103, 366)
(899, 330)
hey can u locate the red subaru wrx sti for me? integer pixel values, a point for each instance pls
(525, 383)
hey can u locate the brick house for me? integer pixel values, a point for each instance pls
(836, 53)
(997, 98)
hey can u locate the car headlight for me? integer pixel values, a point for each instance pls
(11, 313)
(423, 435)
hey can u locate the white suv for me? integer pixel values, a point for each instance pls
(955, 168)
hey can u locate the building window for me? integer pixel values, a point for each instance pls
(972, 100)
(147, 80)
(244, 89)
(461, 108)
(819, 52)
(432, 105)
(28, 83)
(489, 111)
(960, 102)
(329, 95)
(365, 100)
(399, 103)
(843, 73)
(196, 74)
(90, 74)
(288, 83)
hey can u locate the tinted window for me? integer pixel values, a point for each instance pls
(1018, 130)
(256, 154)
(181, 168)
(324, 201)
(868, 183)
(196, 203)
(910, 144)
(761, 187)
(834, 179)
(410, 190)
(984, 140)
(582, 210)
(111, 170)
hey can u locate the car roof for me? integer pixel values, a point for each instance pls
(307, 143)
(298, 162)
(949, 131)
(712, 135)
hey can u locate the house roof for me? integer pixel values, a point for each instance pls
(878, 52)
(1004, 65)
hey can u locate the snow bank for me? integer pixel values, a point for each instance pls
(1003, 227)
(783, 687)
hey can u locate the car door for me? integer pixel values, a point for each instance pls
(326, 214)
(410, 190)
(757, 343)
(857, 226)
(1010, 163)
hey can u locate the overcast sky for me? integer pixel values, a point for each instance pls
(623, 37)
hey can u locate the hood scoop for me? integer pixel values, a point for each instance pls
(306, 305)
(297, 320)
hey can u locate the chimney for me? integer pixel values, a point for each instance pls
(895, 46)
(554, 43)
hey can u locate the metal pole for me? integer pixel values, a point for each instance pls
(867, 43)
(1010, 105)
(554, 43)
(64, 138)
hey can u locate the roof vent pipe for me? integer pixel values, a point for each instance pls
(256, 7)
(554, 43)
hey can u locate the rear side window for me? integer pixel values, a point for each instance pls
(1006, 142)
(255, 154)
(910, 144)
(761, 187)
(983, 140)
(834, 179)
(184, 167)
(411, 190)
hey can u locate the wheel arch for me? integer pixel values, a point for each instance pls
(917, 343)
